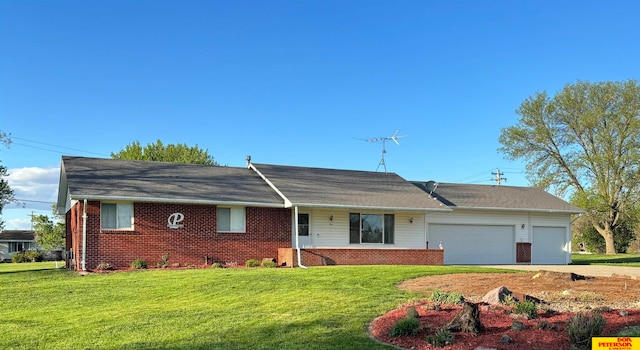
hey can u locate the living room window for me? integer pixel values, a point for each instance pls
(116, 216)
(371, 228)
(231, 219)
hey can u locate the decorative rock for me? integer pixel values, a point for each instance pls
(496, 296)
(518, 326)
(567, 292)
(505, 339)
(624, 313)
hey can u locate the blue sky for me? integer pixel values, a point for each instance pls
(292, 82)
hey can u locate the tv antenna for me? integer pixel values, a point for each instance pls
(383, 140)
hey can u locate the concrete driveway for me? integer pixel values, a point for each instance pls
(585, 270)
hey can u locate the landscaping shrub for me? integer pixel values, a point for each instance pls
(405, 327)
(252, 263)
(18, 258)
(217, 265)
(34, 256)
(104, 266)
(164, 261)
(439, 296)
(268, 263)
(631, 331)
(582, 328)
(441, 338)
(28, 256)
(528, 308)
(412, 312)
(139, 264)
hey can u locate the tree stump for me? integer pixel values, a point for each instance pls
(466, 320)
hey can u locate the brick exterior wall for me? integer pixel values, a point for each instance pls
(197, 243)
(331, 256)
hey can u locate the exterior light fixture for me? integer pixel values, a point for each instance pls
(331, 218)
(411, 220)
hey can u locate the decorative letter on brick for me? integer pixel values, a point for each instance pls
(174, 220)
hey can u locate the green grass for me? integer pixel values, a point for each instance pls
(600, 259)
(11, 267)
(317, 308)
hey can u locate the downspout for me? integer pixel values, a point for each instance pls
(84, 236)
(295, 224)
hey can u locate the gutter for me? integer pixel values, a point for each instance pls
(84, 236)
(295, 224)
(174, 200)
(287, 204)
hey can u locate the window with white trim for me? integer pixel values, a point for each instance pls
(371, 228)
(231, 219)
(303, 224)
(116, 216)
(15, 247)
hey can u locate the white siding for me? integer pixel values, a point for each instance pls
(325, 233)
(4, 251)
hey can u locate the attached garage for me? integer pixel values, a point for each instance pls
(548, 245)
(474, 244)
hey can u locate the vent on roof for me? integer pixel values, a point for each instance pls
(431, 186)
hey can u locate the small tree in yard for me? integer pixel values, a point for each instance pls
(49, 234)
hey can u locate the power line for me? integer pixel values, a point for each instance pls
(51, 145)
(32, 201)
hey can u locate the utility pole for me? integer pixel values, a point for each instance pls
(499, 177)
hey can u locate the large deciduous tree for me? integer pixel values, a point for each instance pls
(173, 153)
(584, 140)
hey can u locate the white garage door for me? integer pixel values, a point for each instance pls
(473, 244)
(548, 245)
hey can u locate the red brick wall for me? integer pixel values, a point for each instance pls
(326, 256)
(267, 229)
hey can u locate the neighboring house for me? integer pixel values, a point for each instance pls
(15, 241)
(118, 211)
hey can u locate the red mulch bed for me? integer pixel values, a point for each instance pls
(497, 322)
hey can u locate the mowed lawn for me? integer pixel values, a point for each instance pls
(240, 308)
(600, 259)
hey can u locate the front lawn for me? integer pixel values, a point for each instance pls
(284, 308)
(622, 259)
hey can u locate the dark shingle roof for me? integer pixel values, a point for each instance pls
(322, 187)
(17, 235)
(499, 197)
(98, 178)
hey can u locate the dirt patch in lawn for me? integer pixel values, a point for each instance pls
(562, 295)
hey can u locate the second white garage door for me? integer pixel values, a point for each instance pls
(473, 244)
(548, 245)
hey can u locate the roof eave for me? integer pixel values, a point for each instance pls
(177, 200)
(349, 206)
(534, 210)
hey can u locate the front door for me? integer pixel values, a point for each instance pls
(304, 230)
